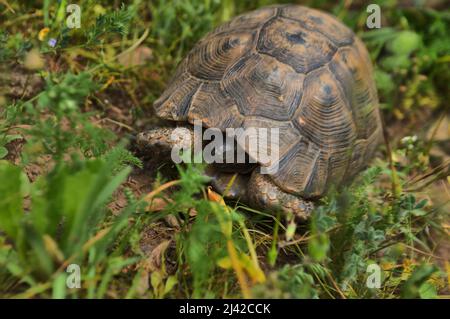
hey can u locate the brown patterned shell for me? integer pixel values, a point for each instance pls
(290, 67)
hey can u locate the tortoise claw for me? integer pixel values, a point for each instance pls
(263, 193)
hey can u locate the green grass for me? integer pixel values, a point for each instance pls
(65, 160)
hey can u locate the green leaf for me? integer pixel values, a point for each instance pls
(318, 246)
(170, 284)
(412, 287)
(384, 81)
(11, 199)
(59, 286)
(427, 291)
(39, 258)
(418, 212)
(421, 204)
(404, 43)
(396, 62)
(86, 193)
(13, 137)
(3, 152)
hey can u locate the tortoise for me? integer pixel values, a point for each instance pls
(288, 67)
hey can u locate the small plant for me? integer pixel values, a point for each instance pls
(12, 47)
(58, 126)
(116, 22)
(66, 223)
(411, 60)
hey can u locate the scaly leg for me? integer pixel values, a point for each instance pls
(263, 193)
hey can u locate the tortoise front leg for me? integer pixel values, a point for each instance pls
(159, 143)
(263, 193)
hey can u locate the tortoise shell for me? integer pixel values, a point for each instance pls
(289, 67)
